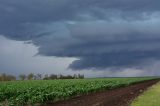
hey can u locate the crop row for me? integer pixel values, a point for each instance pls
(31, 92)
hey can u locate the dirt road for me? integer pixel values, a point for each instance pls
(117, 97)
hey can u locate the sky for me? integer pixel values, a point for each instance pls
(97, 38)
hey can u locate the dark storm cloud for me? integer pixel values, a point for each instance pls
(100, 33)
(120, 59)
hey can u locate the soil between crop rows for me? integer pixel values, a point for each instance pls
(116, 97)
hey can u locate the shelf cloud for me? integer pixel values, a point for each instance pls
(100, 34)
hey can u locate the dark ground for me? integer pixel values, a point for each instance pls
(117, 97)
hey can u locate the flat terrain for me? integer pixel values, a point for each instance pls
(18, 93)
(149, 97)
(117, 97)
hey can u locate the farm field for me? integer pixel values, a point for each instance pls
(116, 97)
(43, 91)
(149, 98)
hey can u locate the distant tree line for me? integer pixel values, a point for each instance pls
(54, 76)
(31, 76)
(4, 77)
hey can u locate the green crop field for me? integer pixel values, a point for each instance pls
(42, 91)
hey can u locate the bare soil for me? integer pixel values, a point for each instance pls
(116, 97)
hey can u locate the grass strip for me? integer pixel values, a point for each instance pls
(151, 97)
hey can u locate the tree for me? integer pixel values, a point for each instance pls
(75, 76)
(35, 77)
(53, 76)
(10, 78)
(3, 77)
(30, 76)
(46, 77)
(39, 76)
(22, 77)
(80, 76)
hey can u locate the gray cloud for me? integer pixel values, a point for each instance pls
(16, 58)
(99, 33)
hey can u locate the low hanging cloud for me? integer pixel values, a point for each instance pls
(99, 33)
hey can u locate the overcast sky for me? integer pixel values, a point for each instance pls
(95, 37)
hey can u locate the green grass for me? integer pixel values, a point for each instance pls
(31, 92)
(150, 98)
